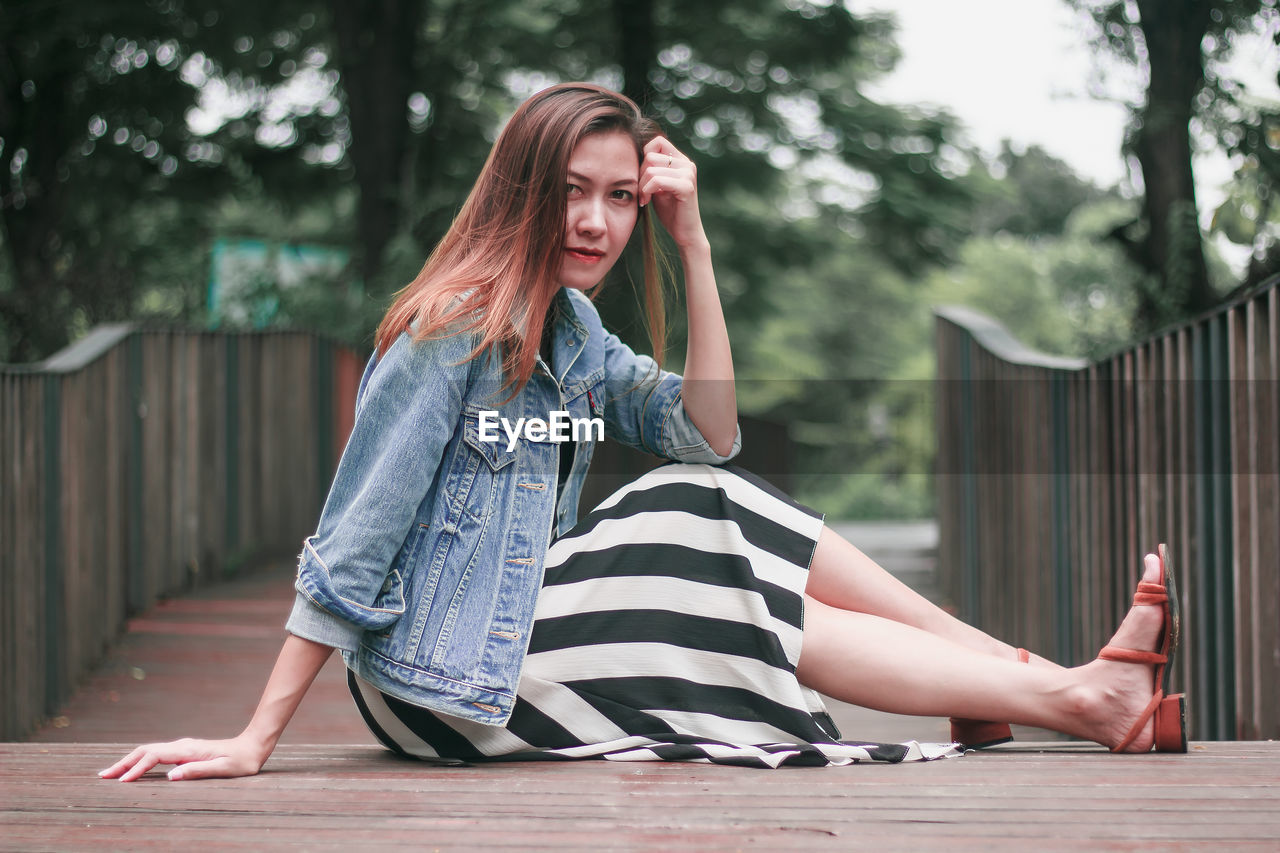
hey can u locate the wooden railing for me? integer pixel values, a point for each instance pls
(135, 464)
(1055, 476)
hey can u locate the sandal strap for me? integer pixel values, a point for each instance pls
(1150, 594)
(1137, 727)
(1124, 655)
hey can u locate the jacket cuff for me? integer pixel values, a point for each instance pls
(685, 442)
(310, 622)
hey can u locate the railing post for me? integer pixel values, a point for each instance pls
(232, 448)
(966, 470)
(135, 593)
(53, 569)
(323, 354)
(1213, 603)
(1060, 472)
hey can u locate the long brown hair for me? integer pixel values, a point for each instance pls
(498, 263)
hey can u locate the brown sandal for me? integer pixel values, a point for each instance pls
(1170, 712)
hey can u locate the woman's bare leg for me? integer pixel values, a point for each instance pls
(841, 576)
(890, 666)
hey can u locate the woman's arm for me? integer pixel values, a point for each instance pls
(708, 391)
(243, 755)
(668, 179)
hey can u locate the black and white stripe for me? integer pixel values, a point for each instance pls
(668, 628)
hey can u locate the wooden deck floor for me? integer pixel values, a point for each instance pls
(357, 797)
(195, 666)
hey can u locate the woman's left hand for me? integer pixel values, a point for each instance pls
(669, 181)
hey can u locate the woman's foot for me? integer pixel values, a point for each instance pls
(1114, 693)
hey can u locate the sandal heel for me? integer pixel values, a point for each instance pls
(979, 734)
(1170, 725)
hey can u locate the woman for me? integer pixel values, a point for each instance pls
(694, 613)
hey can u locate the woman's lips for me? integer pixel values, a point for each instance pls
(585, 256)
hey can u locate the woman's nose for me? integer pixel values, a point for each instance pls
(591, 218)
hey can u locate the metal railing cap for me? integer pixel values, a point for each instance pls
(83, 352)
(1001, 342)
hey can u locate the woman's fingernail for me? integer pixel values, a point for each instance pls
(174, 775)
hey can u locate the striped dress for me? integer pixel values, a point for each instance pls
(668, 628)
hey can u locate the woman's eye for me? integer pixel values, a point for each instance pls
(570, 189)
(623, 195)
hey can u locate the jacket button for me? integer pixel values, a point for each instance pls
(572, 341)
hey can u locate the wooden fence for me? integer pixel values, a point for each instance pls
(1056, 475)
(135, 464)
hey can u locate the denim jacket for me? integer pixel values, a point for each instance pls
(427, 561)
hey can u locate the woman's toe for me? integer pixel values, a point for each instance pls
(1141, 627)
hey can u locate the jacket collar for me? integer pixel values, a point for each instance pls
(569, 326)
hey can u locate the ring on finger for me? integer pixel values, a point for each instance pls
(671, 161)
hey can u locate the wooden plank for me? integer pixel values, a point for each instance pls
(1243, 462)
(13, 475)
(1095, 507)
(115, 540)
(1126, 427)
(1264, 546)
(1185, 539)
(335, 796)
(1196, 564)
(33, 482)
(1269, 512)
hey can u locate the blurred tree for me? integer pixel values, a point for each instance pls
(1181, 46)
(376, 44)
(1035, 194)
(104, 177)
(1065, 294)
(1249, 216)
(1038, 259)
(637, 51)
(288, 102)
(764, 94)
(847, 356)
(825, 210)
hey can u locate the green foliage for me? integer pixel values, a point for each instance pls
(104, 180)
(840, 362)
(835, 220)
(1065, 295)
(847, 356)
(248, 100)
(335, 303)
(1249, 216)
(1035, 194)
(1183, 47)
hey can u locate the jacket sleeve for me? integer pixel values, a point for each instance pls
(408, 407)
(644, 408)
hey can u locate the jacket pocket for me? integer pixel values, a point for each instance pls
(486, 437)
(391, 597)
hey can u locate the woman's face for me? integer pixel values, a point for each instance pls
(603, 173)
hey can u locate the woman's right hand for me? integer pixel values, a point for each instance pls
(193, 759)
(243, 755)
